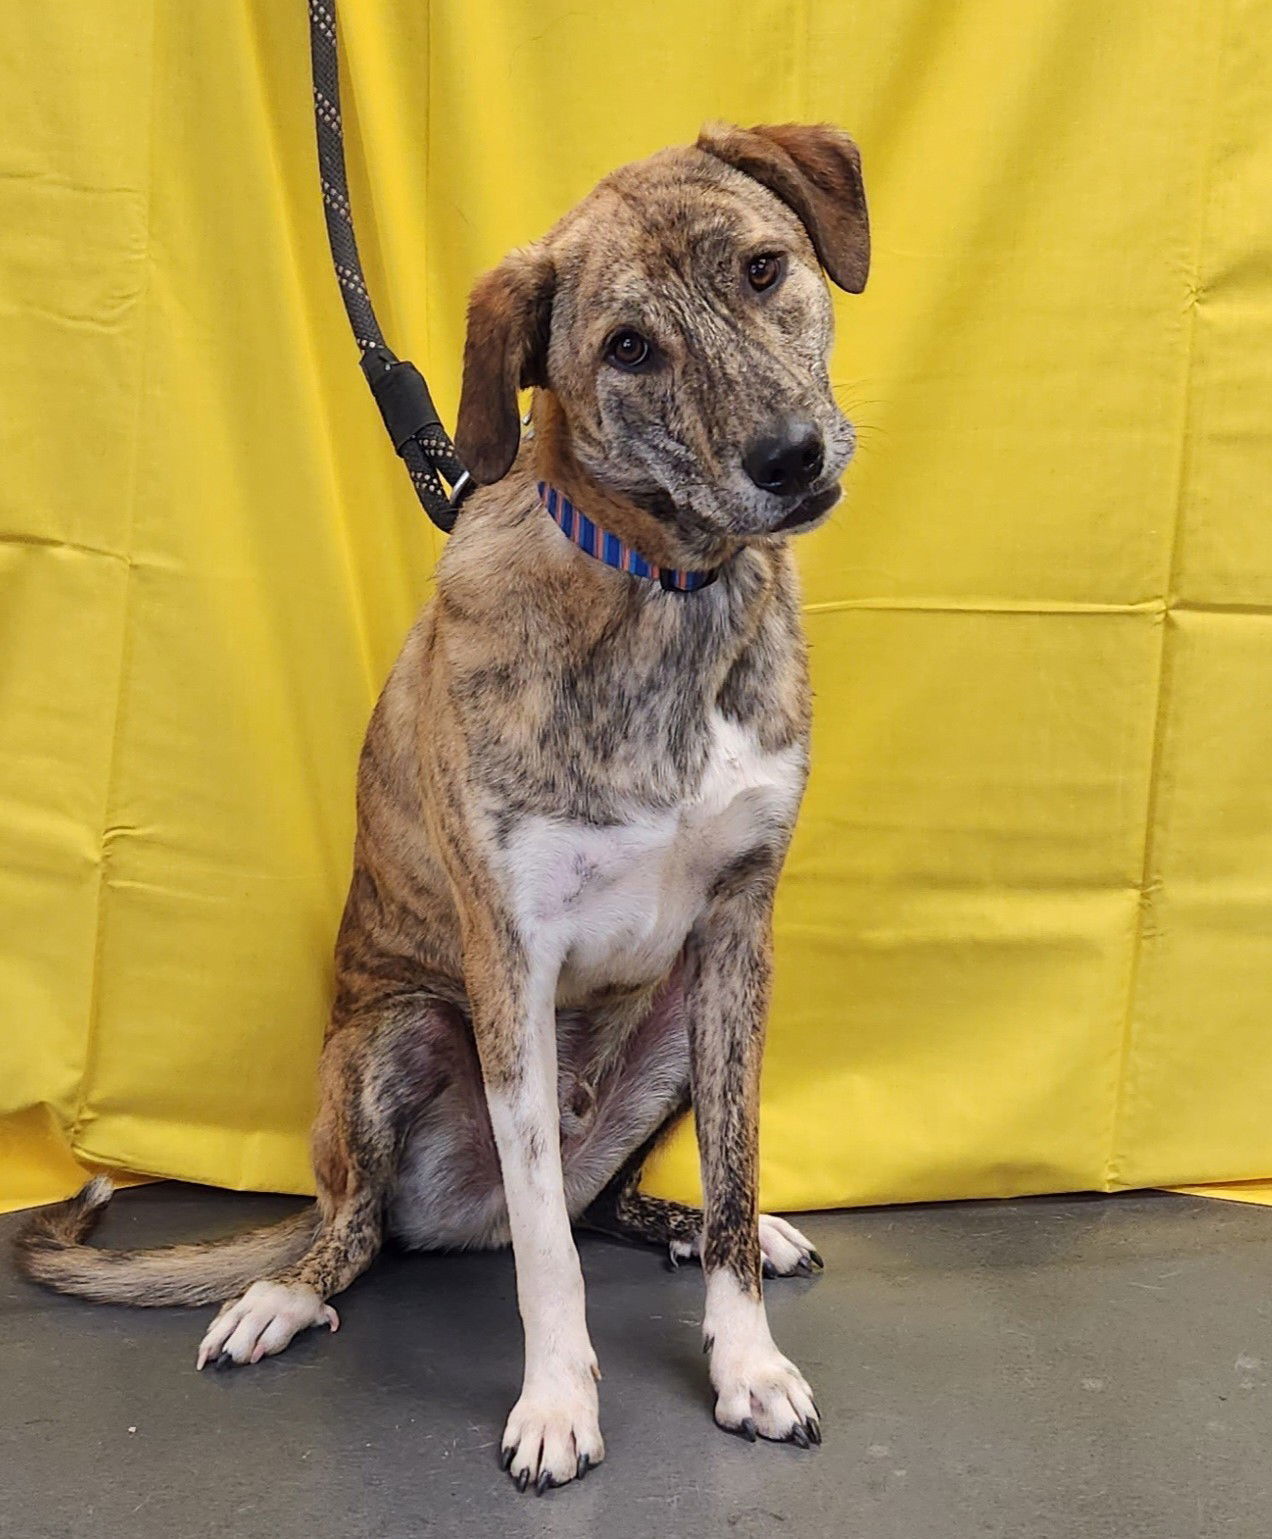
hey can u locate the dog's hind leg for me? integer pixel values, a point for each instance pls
(641, 1098)
(622, 1209)
(378, 1072)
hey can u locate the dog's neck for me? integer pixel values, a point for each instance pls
(657, 538)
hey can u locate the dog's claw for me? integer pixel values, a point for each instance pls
(506, 1458)
(749, 1430)
(523, 1480)
(544, 1483)
(672, 1264)
(804, 1266)
(223, 1360)
(768, 1269)
(798, 1436)
(815, 1257)
(585, 1464)
(707, 1343)
(813, 1428)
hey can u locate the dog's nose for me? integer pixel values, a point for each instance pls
(788, 458)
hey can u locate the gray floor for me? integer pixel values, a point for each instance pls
(1054, 1369)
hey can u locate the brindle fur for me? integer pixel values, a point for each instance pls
(540, 684)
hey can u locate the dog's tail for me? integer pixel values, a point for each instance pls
(50, 1249)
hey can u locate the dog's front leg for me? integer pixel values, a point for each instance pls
(553, 1433)
(727, 993)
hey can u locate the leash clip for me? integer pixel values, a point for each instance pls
(460, 491)
(406, 406)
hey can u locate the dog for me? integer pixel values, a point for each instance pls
(575, 798)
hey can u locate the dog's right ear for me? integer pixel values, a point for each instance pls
(509, 315)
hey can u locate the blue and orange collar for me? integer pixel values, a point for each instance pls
(595, 541)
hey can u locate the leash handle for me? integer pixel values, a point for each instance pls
(399, 388)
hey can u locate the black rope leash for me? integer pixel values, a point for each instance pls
(398, 387)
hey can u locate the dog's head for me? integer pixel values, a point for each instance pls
(680, 319)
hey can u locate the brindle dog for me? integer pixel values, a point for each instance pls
(575, 799)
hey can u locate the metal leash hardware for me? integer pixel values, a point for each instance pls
(398, 386)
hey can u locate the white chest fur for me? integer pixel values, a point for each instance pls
(614, 905)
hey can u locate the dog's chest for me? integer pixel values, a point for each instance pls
(614, 904)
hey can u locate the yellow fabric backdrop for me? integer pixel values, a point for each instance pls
(1025, 931)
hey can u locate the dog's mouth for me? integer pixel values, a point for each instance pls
(809, 510)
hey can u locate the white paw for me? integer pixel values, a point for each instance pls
(554, 1432)
(262, 1322)
(764, 1394)
(786, 1252)
(758, 1391)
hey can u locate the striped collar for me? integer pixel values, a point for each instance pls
(592, 539)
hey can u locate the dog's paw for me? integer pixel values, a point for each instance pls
(262, 1322)
(786, 1252)
(554, 1433)
(759, 1393)
(765, 1395)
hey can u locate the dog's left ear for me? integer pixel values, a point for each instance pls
(509, 314)
(816, 170)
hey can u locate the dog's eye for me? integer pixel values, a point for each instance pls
(628, 349)
(764, 270)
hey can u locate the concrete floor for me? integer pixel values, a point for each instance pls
(1052, 1369)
